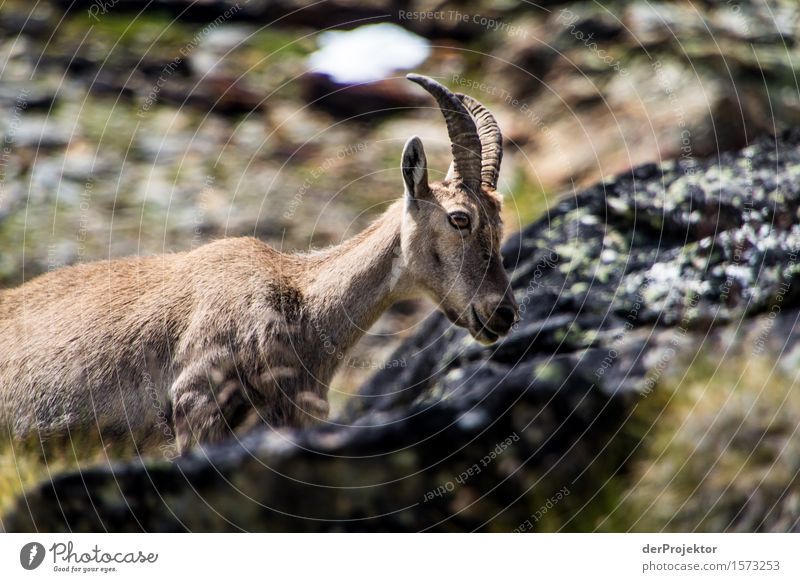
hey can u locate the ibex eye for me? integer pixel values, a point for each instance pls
(459, 220)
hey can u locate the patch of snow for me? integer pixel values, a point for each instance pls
(368, 53)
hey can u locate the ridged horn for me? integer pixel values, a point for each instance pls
(490, 137)
(464, 141)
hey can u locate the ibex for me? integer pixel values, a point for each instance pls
(236, 333)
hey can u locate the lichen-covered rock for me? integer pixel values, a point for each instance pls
(620, 286)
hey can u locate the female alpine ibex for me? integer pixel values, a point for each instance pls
(235, 333)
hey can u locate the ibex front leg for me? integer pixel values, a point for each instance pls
(206, 397)
(213, 398)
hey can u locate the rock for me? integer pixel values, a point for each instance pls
(364, 102)
(38, 132)
(617, 285)
(293, 12)
(214, 92)
(31, 96)
(674, 77)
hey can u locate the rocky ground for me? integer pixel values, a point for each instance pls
(128, 133)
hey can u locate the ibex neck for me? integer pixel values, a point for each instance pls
(350, 285)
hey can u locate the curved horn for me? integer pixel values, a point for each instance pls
(464, 141)
(490, 137)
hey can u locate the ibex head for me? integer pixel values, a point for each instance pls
(452, 229)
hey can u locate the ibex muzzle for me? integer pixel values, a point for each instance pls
(189, 347)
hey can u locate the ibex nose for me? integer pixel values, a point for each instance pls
(503, 318)
(500, 315)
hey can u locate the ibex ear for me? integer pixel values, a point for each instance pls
(415, 168)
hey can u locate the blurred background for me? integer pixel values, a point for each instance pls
(135, 127)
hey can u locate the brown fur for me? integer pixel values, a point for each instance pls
(194, 345)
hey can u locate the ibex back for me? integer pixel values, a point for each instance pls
(235, 334)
